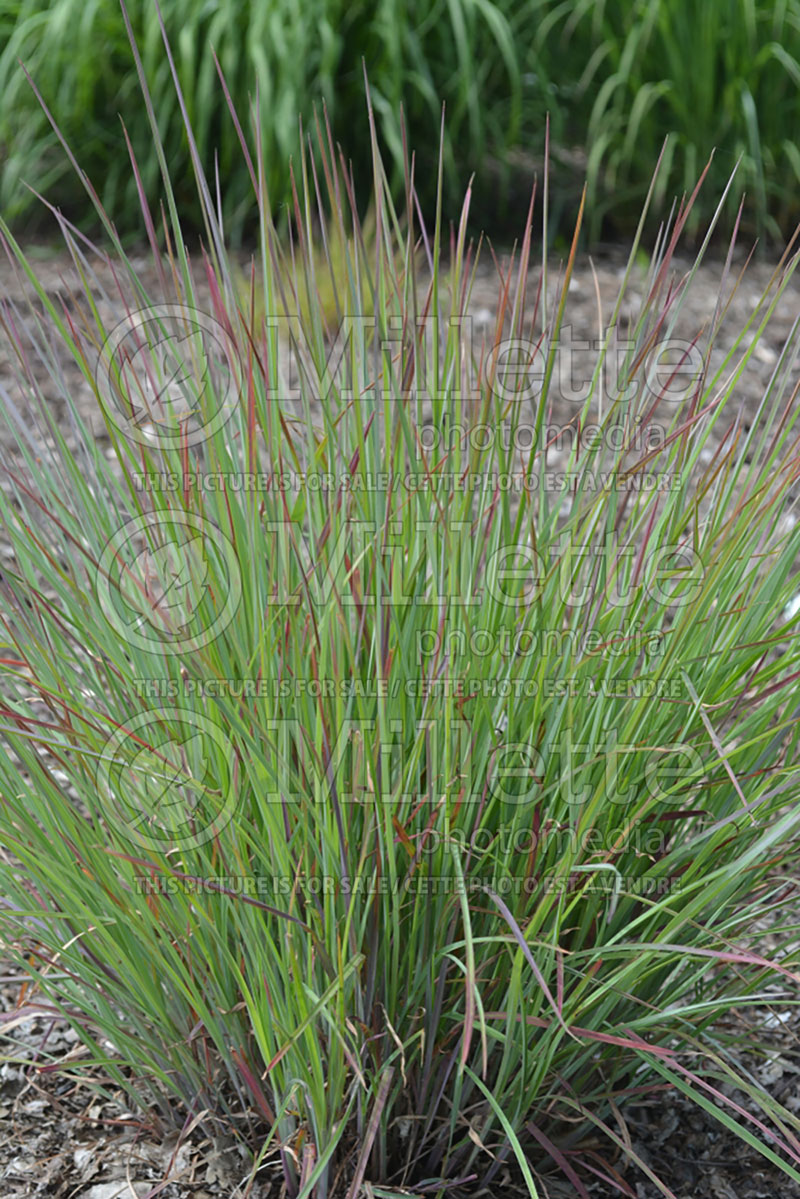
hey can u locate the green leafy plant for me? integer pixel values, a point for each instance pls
(723, 78)
(616, 78)
(298, 57)
(399, 810)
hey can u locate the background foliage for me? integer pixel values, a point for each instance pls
(615, 77)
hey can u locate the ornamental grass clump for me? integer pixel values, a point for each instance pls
(371, 796)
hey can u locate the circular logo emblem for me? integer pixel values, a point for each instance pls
(169, 376)
(169, 583)
(167, 779)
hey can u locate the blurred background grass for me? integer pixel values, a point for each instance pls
(615, 76)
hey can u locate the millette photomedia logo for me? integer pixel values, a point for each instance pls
(169, 583)
(167, 779)
(169, 376)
